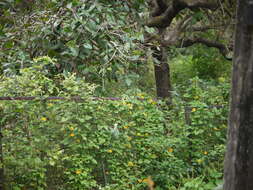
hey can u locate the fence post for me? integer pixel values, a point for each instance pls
(187, 115)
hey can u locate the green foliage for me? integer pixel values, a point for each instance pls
(78, 145)
(93, 144)
(199, 61)
(182, 69)
(209, 64)
(96, 39)
(35, 81)
(203, 131)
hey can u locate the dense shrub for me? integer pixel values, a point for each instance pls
(199, 61)
(200, 125)
(105, 144)
(78, 144)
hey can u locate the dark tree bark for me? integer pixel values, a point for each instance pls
(238, 170)
(162, 74)
(170, 34)
(162, 70)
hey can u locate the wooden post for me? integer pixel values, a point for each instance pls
(187, 115)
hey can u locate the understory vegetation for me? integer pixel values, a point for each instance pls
(89, 143)
(88, 117)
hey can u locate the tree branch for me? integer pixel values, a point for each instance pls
(205, 28)
(183, 23)
(224, 50)
(164, 19)
(160, 7)
(221, 47)
(193, 4)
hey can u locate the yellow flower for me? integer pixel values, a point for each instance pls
(130, 164)
(109, 151)
(170, 150)
(49, 104)
(138, 134)
(125, 127)
(221, 79)
(196, 97)
(43, 119)
(194, 109)
(124, 103)
(72, 135)
(71, 128)
(145, 180)
(205, 152)
(141, 96)
(199, 161)
(151, 101)
(130, 106)
(78, 172)
(149, 182)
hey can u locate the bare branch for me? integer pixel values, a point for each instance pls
(205, 4)
(224, 50)
(164, 20)
(205, 28)
(183, 23)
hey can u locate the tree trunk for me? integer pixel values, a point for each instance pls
(162, 71)
(162, 74)
(238, 170)
(1, 161)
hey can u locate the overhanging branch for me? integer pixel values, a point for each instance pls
(165, 16)
(193, 4)
(205, 28)
(224, 50)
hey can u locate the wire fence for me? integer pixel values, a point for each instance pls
(187, 117)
